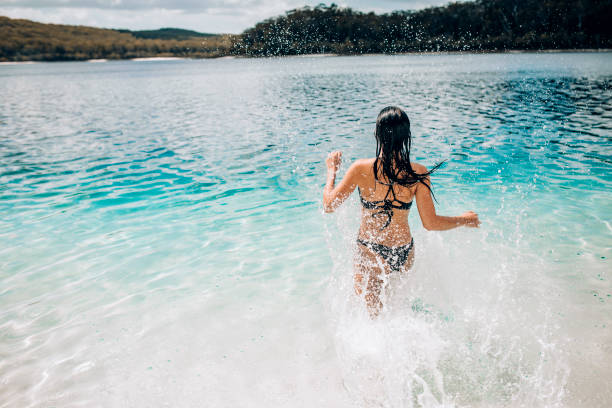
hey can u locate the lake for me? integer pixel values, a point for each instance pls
(163, 243)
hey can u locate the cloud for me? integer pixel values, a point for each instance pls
(213, 16)
(185, 5)
(204, 5)
(211, 21)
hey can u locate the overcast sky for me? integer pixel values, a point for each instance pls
(212, 16)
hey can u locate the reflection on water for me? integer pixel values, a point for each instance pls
(162, 238)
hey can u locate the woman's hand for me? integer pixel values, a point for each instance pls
(333, 160)
(334, 196)
(471, 219)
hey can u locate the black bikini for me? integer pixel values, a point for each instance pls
(387, 206)
(394, 256)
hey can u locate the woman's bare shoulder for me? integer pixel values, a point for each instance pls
(369, 161)
(363, 164)
(419, 168)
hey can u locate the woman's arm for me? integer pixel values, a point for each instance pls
(434, 222)
(333, 196)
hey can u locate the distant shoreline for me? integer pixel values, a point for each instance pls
(547, 51)
(466, 27)
(322, 55)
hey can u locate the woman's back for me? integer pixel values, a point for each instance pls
(385, 207)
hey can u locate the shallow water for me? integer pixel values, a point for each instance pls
(162, 241)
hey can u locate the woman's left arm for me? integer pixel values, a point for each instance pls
(333, 196)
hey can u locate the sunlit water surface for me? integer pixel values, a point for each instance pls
(162, 241)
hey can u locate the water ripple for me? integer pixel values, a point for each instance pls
(135, 198)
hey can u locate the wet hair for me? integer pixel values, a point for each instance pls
(393, 142)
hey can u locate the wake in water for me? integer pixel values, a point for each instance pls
(472, 323)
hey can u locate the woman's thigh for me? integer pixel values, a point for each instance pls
(409, 261)
(370, 267)
(368, 270)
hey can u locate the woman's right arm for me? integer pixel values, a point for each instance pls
(434, 222)
(334, 195)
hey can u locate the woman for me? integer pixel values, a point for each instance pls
(388, 184)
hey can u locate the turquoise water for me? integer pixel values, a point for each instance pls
(162, 241)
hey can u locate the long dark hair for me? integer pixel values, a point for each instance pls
(393, 142)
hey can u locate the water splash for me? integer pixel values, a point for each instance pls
(161, 233)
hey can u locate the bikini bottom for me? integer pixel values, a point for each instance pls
(395, 257)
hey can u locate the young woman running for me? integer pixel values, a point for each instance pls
(387, 184)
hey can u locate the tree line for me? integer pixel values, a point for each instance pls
(481, 25)
(24, 40)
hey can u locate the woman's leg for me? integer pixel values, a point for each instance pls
(369, 267)
(368, 272)
(409, 261)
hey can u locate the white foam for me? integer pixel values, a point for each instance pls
(157, 59)
(472, 324)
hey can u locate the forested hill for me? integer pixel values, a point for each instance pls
(478, 25)
(22, 40)
(482, 25)
(167, 34)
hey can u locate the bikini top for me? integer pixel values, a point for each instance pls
(385, 206)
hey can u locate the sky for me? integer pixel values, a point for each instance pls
(209, 16)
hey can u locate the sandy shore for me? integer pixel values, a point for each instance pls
(323, 55)
(157, 59)
(18, 62)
